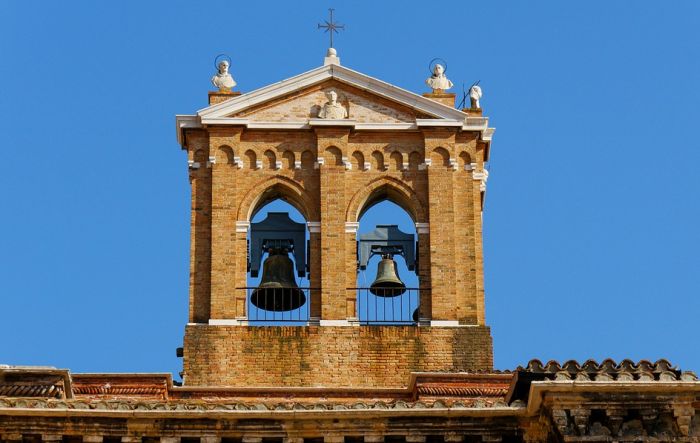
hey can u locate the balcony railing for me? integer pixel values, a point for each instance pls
(291, 306)
(278, 306)
(385, 306)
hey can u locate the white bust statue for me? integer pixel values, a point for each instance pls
(223, 79)
(332, 109)
(438, 81)
(474, 96)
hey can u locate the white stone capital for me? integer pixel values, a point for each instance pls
(211, 161)
(347, 164)
(404, 166)
(278, 164)
(192, 164)
(368, 166)
(351, 227)
(258, 164)
(238, 162)
(242, 226)
(314, 226)
(453, 163)
(426, 164)
(423, 228)
(319, 162)
(297, 164)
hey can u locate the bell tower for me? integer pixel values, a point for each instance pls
(275, 301)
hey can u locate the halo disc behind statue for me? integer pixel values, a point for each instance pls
(219, 58)
(433, 62)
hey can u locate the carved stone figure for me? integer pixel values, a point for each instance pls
(474, 96)
(223, 79)
(332, 109)
(438, 81)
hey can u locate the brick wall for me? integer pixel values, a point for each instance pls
(365, 356)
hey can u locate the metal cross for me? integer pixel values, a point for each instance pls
(330, 26)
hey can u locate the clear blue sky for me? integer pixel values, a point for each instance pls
(592, 212)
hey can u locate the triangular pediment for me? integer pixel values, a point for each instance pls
(361, 106)
(368, 100)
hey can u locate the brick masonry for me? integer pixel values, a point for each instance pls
(332, 175)
(363, 356)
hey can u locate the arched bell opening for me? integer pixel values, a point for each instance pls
(277, 290)
(387, 279)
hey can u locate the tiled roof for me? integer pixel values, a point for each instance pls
(609, 370)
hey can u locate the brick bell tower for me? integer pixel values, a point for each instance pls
(333, 142)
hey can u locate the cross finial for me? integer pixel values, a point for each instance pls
(330, 26)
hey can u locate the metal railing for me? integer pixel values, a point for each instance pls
(278, 306)
(386, 306)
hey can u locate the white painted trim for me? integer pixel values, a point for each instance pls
(314, 226)
(444, 323)
(242, 226)
(352, 227)
(334, 323)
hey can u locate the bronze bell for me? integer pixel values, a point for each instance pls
(278, 291)
(387, 283)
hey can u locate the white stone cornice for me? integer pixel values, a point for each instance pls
(229, 121)
(331, 122)
(242, 226)
(435, 122)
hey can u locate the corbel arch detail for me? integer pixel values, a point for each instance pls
(278, 187)
(386, 188)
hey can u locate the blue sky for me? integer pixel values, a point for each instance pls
(592, 214)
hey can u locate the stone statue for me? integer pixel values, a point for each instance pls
(438, 81)
(474, 95)
(332, 109)
(223, 79)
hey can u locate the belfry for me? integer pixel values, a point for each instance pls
(333, 142)
(288, 342)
